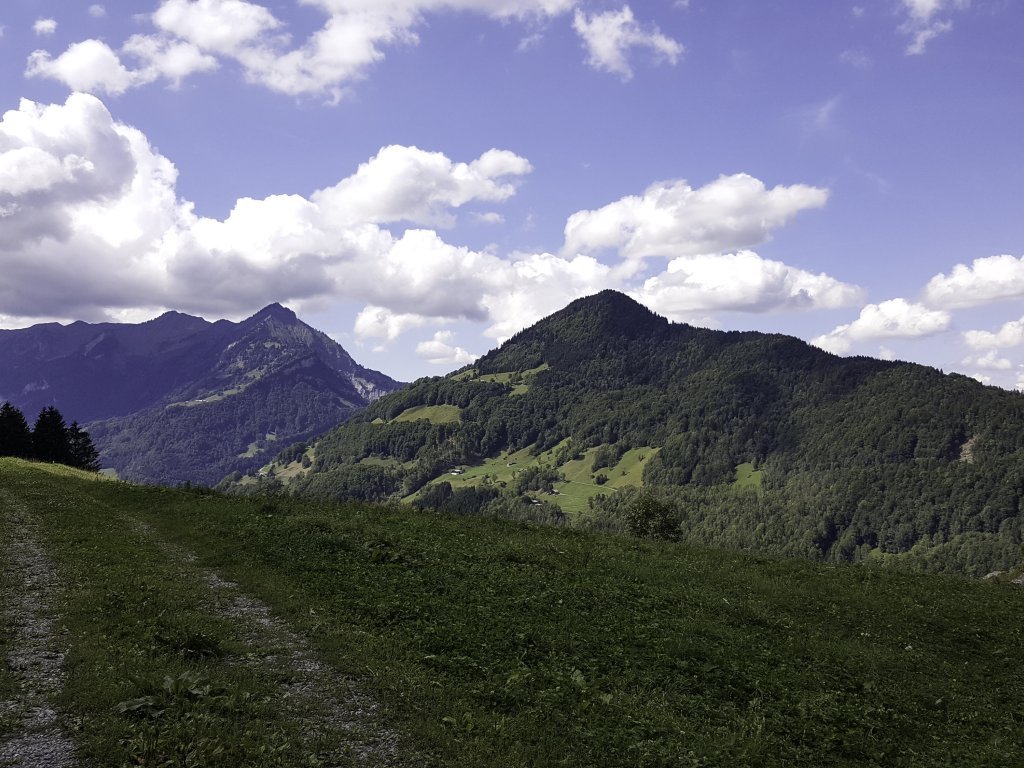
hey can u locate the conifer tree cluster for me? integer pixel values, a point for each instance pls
(49, 440)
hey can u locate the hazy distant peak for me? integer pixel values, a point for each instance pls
(172, 317)
(278, 312)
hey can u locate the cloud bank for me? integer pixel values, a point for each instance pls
(94, 227)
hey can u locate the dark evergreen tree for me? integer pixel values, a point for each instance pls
(50, 437)
(15, 437)
(82, 453)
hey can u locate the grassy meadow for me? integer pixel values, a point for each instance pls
(572, 493)
(490, 643)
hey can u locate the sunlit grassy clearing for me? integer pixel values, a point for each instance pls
(573, 493)
(435, 414)
(506, 376)
(748, 477)
(380, 461)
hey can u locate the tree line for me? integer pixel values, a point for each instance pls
(49, 440)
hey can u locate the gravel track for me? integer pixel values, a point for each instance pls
(331, 706)
(35, 657)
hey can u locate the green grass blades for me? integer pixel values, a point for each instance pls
(489, 643)
(154, 677)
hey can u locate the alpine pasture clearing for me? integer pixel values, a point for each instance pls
(748, 478)
(435, 414)
(572, 493)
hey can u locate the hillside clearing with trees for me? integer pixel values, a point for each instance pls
(751, 441)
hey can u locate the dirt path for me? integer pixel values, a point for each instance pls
(35, 657)
(331, 705)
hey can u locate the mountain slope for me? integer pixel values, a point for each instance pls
(181, 399)
(747, 439)
(95, 371)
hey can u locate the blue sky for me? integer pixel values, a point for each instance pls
(422, 178)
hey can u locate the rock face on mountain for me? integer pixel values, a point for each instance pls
(181, 399)
(746, 439)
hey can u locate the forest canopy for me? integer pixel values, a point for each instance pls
(856, 459)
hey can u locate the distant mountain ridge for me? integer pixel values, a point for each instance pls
(750, 440)
(179, 398)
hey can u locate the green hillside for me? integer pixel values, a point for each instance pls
(489, 643)
(751, 440)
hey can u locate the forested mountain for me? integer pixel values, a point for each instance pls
(745, 440)
(180, 399)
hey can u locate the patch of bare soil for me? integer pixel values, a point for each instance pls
(35, 657)
(967, 451)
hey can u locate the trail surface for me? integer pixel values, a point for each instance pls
(35, 657)
(330, 705)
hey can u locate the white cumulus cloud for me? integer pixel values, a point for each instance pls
(410, 184)
(522, 290)
(990, 361)
(740, 282)
(100, 202)
(97, 11)
(167, 59)
(892, 319)
(673, 219)
(986, 280)
(92, 66)
(219, 26)
(85, 198)
(1011, 334)
(440, 351)
(609, 37)
(44, 27)
(382, 323)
